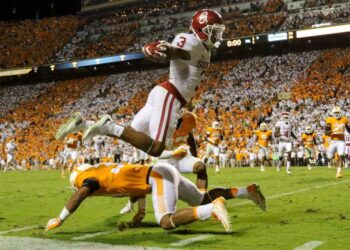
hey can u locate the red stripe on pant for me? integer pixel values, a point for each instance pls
(169, 117)
(162, 117)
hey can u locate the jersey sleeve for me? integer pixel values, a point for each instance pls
(329, 120)
(183, 41)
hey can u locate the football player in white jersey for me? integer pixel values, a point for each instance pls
(223, 154)
(10, 149)
(283, 131)
(347, 149)
(153, 126)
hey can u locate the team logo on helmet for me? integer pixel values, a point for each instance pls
(203, 18)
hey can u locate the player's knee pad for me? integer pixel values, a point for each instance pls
(156, 148)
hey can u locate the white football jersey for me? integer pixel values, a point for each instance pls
(186, 75)
(10, 147)
(223, 148)
(285, 131)
(347, 138)
(98, 142)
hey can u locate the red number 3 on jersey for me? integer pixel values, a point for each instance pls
(182, 42)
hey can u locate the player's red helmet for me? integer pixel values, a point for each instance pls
(208, 26)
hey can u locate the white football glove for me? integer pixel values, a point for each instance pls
(53, 223)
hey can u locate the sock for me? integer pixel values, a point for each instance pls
(112, 128)
(338, 170)
(239, 192)
(86, 124)
(288, 165)
(203, 212)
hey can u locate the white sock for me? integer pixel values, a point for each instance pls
(112, 128)
(85, 125)
(203, 212)
(242, 192)
(288, 165)
(338, 170)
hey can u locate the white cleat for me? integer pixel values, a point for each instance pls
(262, 169)
(70, 126)
(278, 169)
(96, 129)
(289, 172)
(126, 209)
(309, 167)
(220, 213)
(256, 196)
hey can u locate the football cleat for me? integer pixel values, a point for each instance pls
(70, 126)
(220, 213)
(309, 167)
(256, 196)
(96, 129)
(52, 224)
(278, 169)
(262, 169)
(289, 172)
(339, 175)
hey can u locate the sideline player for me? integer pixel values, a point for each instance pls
(153, 126)
(283, 131)
(166, 185)
(263, 136)
(10, 149)
(71, 153)
(214, 137)
(309, 142)
(335, 127)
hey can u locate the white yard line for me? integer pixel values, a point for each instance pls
(191, 240)
(18, 229)
(44, 244)
(291, 193)
(309, 245)
(88, 236)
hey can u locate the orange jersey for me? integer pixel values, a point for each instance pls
(214, 135)
(263, 137)
(337, 127)
(326, 139)
(309, 140)
(114, 179)
(73, 140)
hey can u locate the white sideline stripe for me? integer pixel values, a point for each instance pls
(18, 229)
(309, 245)
(191, 240)
(291, 193)
(88, 236)
(16, 243)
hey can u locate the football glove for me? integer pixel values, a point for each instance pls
(181, 151)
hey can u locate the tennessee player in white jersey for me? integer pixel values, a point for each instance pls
(309, 142)
(214, 137)
(71, 151)
(223, 154)
(153, 126)
(263, 137)
(10, 149)
(335, 127)
(283, 131)
(164, 182)
(347, 149)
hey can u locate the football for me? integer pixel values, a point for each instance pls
(154, 52)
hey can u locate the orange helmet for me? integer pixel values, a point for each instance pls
(189, 122)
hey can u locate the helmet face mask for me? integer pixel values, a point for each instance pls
(263, 126)
(216, 125)
(308, 130)
(336, 112)
(214, 33)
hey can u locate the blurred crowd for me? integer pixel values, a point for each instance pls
(72, 37)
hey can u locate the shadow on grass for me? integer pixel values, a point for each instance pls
(191, 231)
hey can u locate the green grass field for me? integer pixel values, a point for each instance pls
(307, 206)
